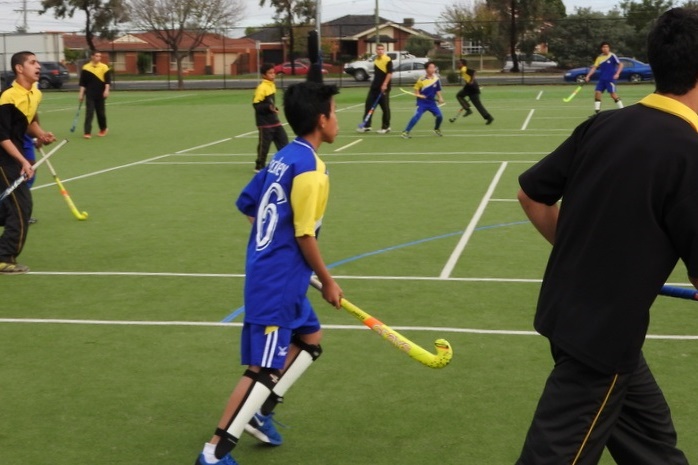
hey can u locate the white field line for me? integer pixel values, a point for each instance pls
(128, 165)
(348, 145)
(528, 119)
(540, 94)
(154, 99)
(453, 259)
(500, 332)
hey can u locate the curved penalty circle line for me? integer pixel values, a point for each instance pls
(240, 310)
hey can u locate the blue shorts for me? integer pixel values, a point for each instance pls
(267, 346)
(606, 85)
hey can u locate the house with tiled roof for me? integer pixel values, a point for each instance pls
(147, 53)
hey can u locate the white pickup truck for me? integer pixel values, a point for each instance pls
(362, 70)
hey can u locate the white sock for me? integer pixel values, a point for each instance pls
(597, 105)
(210, 453)
(619, 103)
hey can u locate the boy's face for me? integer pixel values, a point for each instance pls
(329, 125)
(431, 69)
(380, 50)
(270, 75)
(30, 69)
(96, 58)
(605, 49)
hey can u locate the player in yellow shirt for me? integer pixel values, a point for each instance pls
(267, 116)
(95, 83)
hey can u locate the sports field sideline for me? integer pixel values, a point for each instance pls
(121, 345)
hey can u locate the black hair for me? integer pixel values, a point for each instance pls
(305, 102)
(604, 43)
(19, 58)
(426, 65)
(464, 62)
(671, 49)
(265, 67)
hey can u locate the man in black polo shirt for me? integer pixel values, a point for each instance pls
(380, 87)
(628, 180)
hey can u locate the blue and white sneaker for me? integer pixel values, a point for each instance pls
(262, 427)
(227, 460)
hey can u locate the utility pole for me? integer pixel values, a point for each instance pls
(378, 37)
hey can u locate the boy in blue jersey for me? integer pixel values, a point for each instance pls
(609, 67)
(281, 335)
(427, 90)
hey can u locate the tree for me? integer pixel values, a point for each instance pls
(100, 15)
(525, 23)
(576, 39)
(474, 22)
(640, 16)
(180, 22)
(419, 46)
(286, 13)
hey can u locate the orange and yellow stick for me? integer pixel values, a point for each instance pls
(444, 351)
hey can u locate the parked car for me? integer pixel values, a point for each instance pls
(302, 68)
(410, 69)
(633, 71)
(530, 63)
(53, 74)
(362, 70)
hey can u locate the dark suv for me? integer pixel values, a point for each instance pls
(53, 74)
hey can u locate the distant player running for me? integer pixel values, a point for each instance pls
(609, 67)
(427, 90)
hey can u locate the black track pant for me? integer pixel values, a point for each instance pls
(581, 411)
(383, 103)
(15, 211)
(275, 134)
(474, 96)
(92, 106)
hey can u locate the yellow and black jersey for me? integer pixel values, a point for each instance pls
(13, 126)
(264, 102)
(26, 100)
(94, 78)
(467, 74)
(382, 66)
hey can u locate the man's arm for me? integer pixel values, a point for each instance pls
(10, 148)
(544, 217)
(331, 291)
(590, 73)
(620, 68)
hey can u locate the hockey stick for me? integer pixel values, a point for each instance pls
(77, 116)
(460, 110)
(23, 178)
(81, 216)
(411, 93)
(418, 96)
(571, 96)
(444, 352)
(370, 112)
(679, 292)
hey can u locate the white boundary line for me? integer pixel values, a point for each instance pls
(453, 259)
(207, 324)
(348, 145)
(528, 119)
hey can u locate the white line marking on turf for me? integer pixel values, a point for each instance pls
(540, 94)
(128, 165)
(349, 145)
(528, 119)
(204, 145)
(453, 259)
(503, 332)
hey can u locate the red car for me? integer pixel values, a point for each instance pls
(301, 68)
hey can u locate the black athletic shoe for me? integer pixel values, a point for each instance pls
(489, 120)
(468, 112)
(452, 120)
